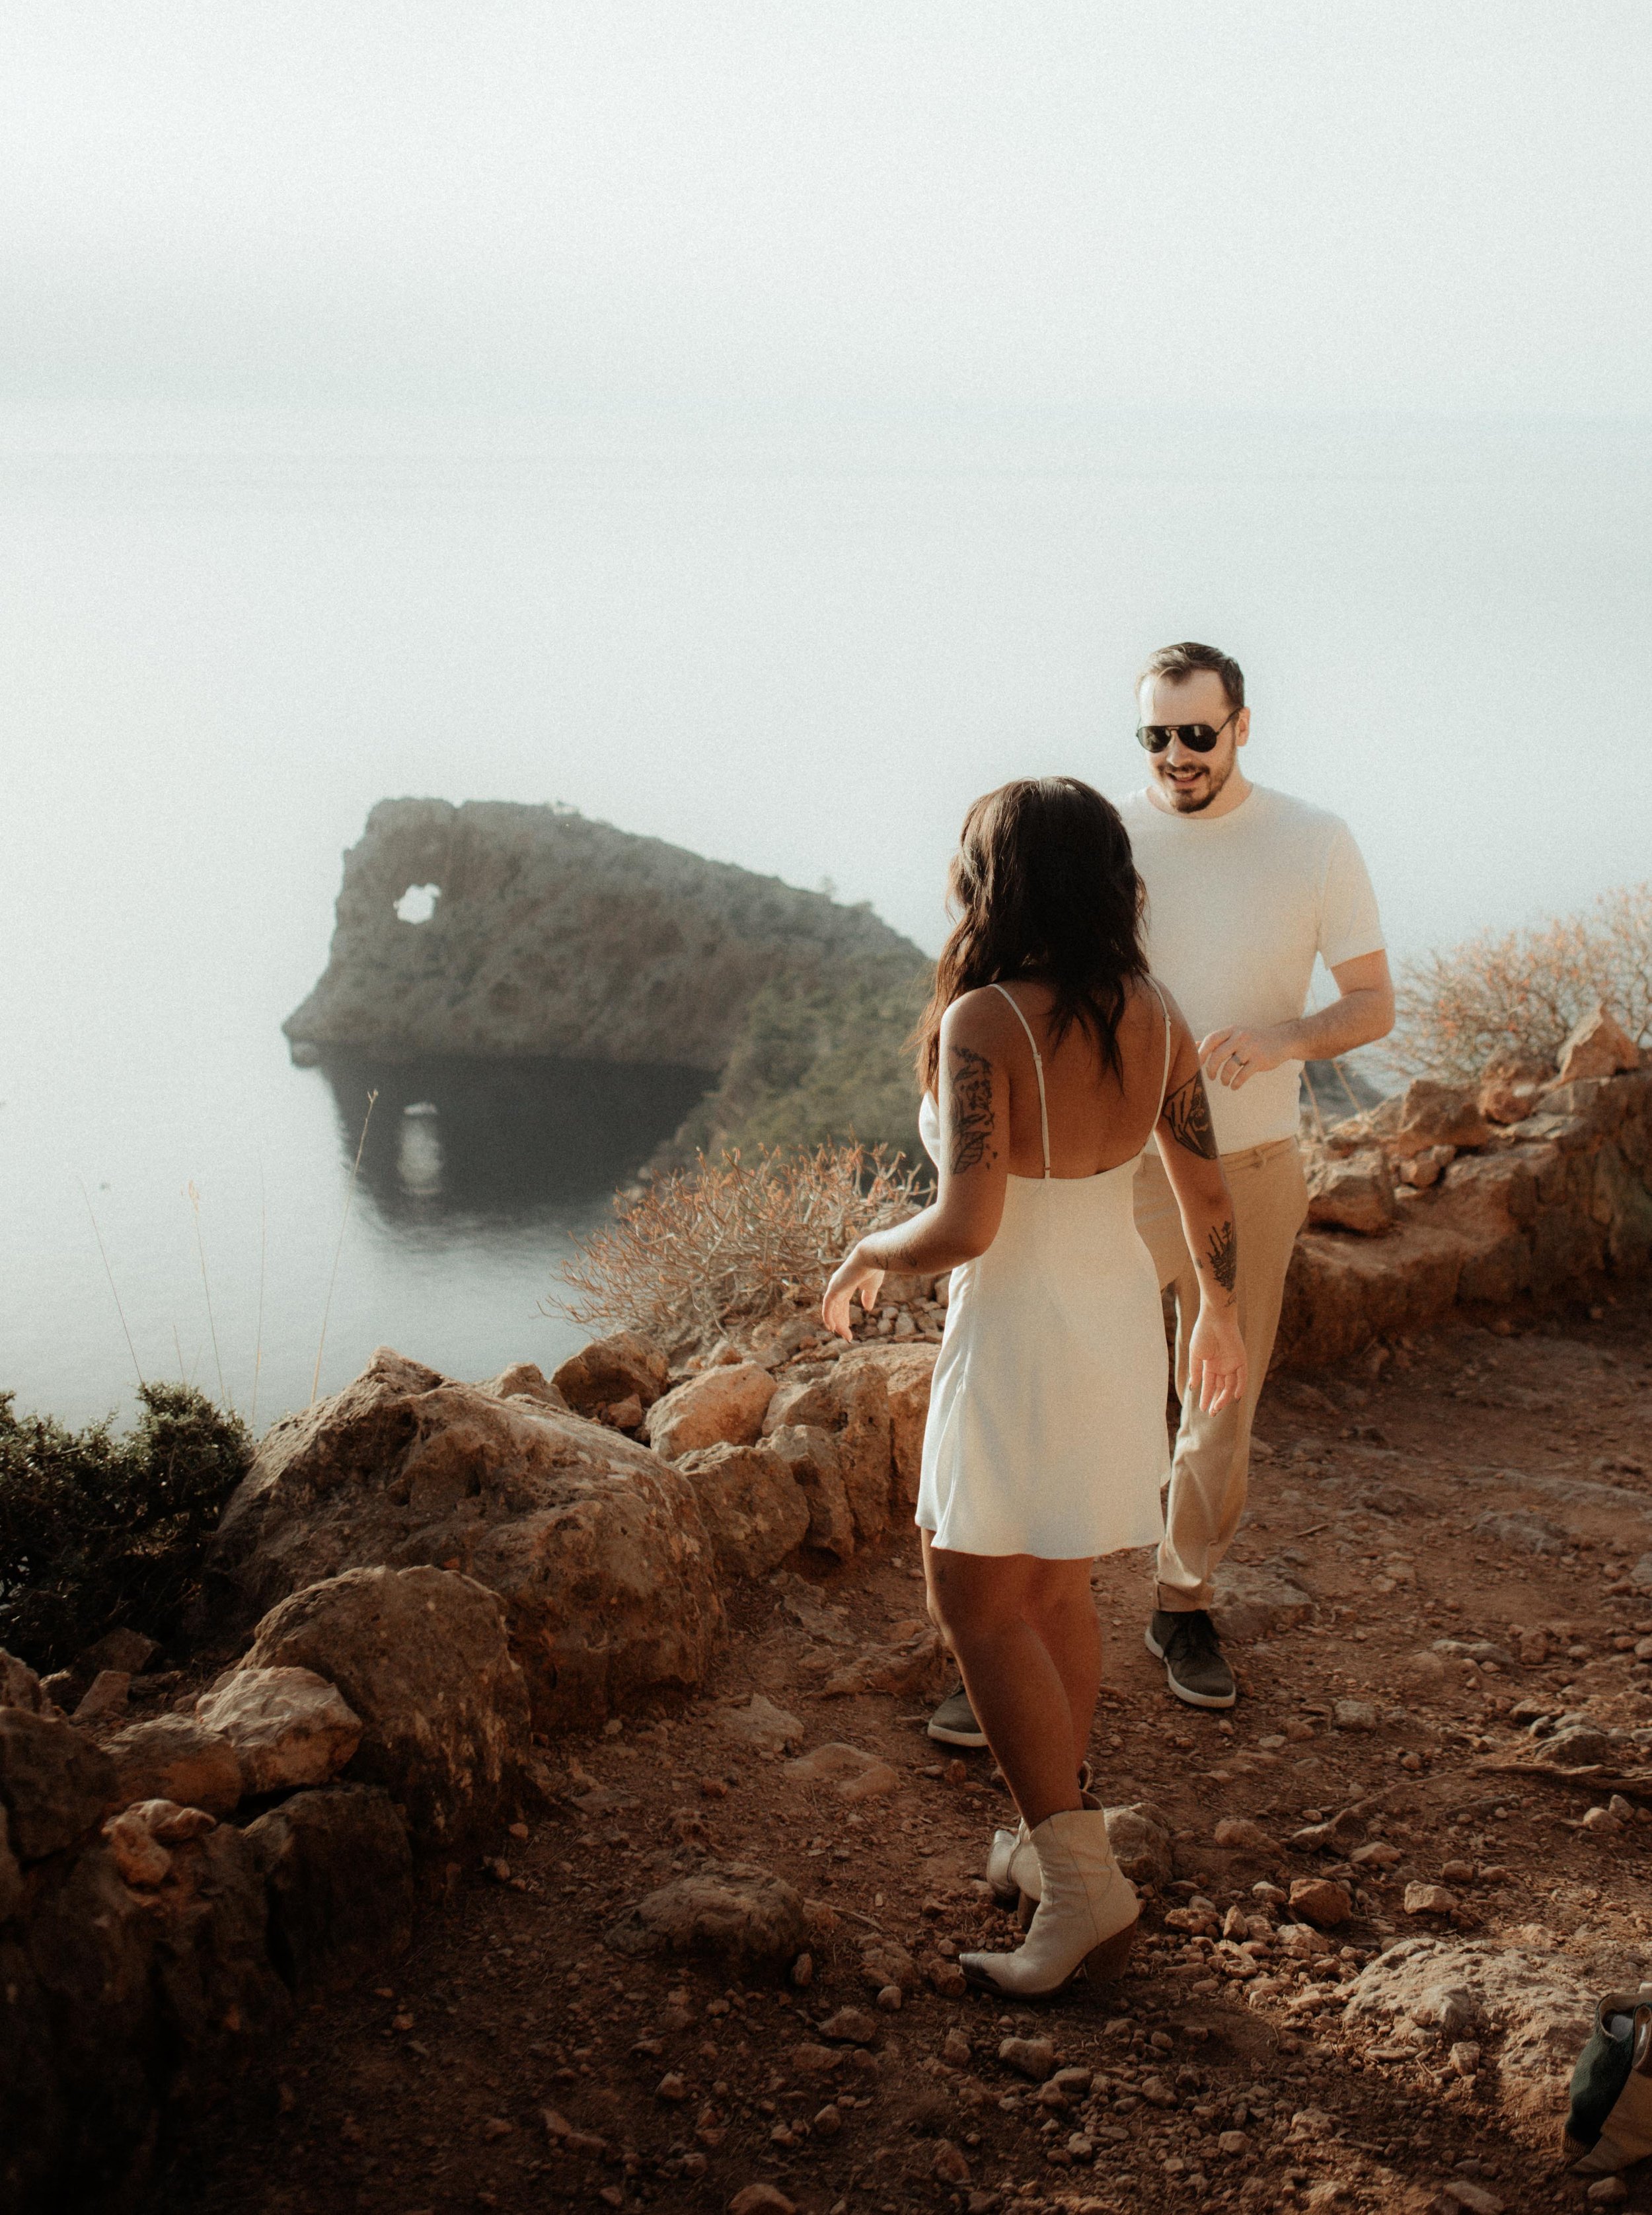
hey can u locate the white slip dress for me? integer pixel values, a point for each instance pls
(1046, 1432)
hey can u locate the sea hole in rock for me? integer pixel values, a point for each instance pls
(418, 903)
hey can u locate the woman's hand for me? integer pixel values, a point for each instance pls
(855, 1272)
(1216, 1362)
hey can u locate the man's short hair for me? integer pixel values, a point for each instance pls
(1178, 663)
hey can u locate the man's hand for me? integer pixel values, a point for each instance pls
(1233, 1055)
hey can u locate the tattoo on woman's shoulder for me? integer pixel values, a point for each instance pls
(1187, 1111)
(971, 1109)
(1223, 1251)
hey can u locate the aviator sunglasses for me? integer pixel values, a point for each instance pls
(1198, 738)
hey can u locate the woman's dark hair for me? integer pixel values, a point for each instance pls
(1043, 885)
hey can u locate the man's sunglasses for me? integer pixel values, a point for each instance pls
(1198, 738)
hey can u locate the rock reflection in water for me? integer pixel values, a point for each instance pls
(489, 1140)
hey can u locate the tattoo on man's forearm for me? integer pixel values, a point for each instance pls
(1222, 1251)
(971, 1109)
(1188, 1113)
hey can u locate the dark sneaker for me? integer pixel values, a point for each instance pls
(954, 1722)
(1192, 1654)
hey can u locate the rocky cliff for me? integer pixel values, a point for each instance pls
(550, 935)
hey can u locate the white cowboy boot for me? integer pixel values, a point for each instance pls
(1001, 1856)
(1086, 1919)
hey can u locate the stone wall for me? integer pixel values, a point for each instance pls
(1533, 1185)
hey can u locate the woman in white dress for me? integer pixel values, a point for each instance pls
(1048, 1058)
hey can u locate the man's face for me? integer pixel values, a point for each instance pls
(1188, 782)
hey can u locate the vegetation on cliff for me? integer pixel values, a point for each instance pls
(97, 1531)
(724, 1245)
(1518, 993)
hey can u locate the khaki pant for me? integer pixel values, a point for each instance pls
(1210, 1474)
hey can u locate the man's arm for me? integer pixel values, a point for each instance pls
(1363, 1012)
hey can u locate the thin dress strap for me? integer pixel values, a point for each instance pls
(1038, 1063)
(1164, 1080)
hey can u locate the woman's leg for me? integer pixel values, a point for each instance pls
(1025, 1636)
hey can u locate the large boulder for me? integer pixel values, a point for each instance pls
(724, 1406)
(908, 1372)
(420, 1655)
(850, 1397)
(55, 1786)
(595, 1544)
(339, 1878)
(175, 1756)
(603, 1377)
(752, 1504)
(288, 1727)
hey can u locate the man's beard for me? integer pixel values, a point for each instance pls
(1201, 797)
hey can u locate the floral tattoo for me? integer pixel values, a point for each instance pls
(971, 1109)
(1222, 1251)
(1187, 1111)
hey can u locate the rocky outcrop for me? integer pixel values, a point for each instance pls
(551, 935)
(595, 1545)
(1467, 1205)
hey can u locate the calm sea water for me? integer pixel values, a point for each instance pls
(800, 648)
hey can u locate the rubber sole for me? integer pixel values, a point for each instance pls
(1185, 1692)
(939, 1731)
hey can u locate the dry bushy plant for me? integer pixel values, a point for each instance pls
(730, 1242)
(1521, 991)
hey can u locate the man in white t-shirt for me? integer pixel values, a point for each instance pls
(1245, 887)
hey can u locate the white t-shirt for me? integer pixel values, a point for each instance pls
(1238, 905)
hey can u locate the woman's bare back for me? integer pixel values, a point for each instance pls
(1098, 1121)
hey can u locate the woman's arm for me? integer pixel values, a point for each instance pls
(963, 1218)
(1187, 1146)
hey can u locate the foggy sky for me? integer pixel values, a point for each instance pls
(1286, 204)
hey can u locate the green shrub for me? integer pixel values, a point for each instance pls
(97, 1531)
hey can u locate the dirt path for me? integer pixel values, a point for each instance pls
(429, 2093)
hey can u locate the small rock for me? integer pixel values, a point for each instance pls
(803, 1971)
(1596, 1045)
(1142, 1836)
(1600, 1820)
(1465, 2057)
(142, 1861)
(759, 1724)
(672, 2086)
(761, 2200)
(1335, 1837)
(722, 1406)
(949, 2165)
(889, 1999)
(948, 1980)
(1355, 1716)
(1607, 2192)
(1376, 1854)
(1429, 1899)
(1240, 1833)
(854, 1775)
(107, 1697)
(727, 1910)
(1233, 2142)
(1458, 1872)
(1321, 1902)
(956, 2049)
(828, 2122)
(1473, 2199)
(1030, 2057)
(851, 2026)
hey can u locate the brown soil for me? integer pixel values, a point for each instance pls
(428, 2092)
